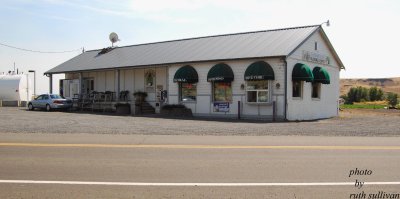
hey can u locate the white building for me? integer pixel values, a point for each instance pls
(290, 73)
(15, 89)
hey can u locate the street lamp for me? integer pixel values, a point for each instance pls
(34, 81)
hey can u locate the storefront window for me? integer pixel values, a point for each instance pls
(257, 91)
(222, 92)
(297, 88)
(316, 90)
(188, 92)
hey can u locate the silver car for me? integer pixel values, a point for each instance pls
(50, 101)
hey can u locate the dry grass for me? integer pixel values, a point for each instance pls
(370, 112)
(372, 103)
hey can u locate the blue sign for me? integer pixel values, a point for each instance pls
(221, 106)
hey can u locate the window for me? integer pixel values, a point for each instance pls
(56, 97)
(187, 92)
(45, 97)
(316, 90)
(39, 98)
(91, 85)
(297, 89)
(222, 91)
(257, 91)
(316, 45)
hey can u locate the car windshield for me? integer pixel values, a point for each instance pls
(56, 97)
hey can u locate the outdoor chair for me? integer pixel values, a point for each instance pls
(123, 95)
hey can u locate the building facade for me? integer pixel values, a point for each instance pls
(284, 74)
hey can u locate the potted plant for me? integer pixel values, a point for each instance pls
(140, 96)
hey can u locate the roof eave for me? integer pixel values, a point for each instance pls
(163, 64)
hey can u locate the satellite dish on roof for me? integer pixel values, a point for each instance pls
(113, 38)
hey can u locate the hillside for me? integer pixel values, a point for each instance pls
(387, 84)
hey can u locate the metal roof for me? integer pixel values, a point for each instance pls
(268, 43)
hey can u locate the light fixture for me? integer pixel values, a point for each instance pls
(327, 23)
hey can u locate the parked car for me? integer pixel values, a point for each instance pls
(50, 101)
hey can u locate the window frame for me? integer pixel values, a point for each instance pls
(180, 92)
(213, 91)
(257, 91)
(301, 87)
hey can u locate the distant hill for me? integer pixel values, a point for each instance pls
(387, 84)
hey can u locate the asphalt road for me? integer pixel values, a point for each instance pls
(160, 166)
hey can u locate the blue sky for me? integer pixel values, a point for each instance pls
(364, 33)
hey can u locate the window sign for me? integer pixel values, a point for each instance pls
(221, 106)
(149, 77)
(188, 92)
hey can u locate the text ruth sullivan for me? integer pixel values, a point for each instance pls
(359, 173)
(378, 195)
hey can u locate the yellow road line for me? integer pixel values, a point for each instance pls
(200, 146)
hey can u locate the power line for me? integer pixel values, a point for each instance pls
(37, 51)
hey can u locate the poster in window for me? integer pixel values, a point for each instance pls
(149, 76)
(222, 92)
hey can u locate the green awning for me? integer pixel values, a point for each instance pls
(259, 71)
(186, 74)
(220, 73)
(321, 75)
(302, 72)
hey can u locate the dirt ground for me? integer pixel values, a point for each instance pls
(354, 122)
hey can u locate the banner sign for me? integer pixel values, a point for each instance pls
(315, 57)
(221, 106)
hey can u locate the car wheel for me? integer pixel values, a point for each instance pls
(30, 107)
(48, 108)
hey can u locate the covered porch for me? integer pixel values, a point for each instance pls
(109, 89)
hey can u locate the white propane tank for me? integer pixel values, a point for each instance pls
(15, 87)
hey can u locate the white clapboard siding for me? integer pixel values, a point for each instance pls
(307, 108)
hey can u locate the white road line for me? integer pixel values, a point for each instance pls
(192, 184)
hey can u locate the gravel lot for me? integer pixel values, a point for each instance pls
(349, 123)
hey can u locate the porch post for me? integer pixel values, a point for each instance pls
(80, 83)
(50, 83)
(118, 87)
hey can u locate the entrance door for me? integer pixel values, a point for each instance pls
(69, 88)
(87, 85)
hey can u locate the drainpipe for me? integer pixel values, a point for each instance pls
(286, 85)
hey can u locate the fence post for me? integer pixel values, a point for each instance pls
(274, 111)
(238, 110)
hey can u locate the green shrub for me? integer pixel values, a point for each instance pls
(392, 99)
